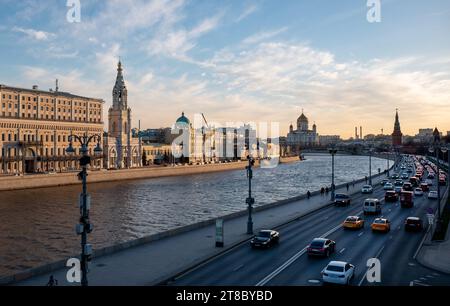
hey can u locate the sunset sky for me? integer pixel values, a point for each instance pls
(242, 60)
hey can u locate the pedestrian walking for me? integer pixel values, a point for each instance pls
(52, 282)
(308, 194)
(322, 191)
(366, 179)
(348, 186)
(327, 190)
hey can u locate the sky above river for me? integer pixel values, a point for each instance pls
(260, 60)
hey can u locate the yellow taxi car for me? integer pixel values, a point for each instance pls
(381, 225)
(353, 222)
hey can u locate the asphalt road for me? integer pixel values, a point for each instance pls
(288, 264)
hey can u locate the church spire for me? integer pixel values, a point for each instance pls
(120, 89)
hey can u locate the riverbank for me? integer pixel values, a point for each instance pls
(9, 183)
(128, 263)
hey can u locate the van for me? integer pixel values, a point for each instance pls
(372, 206)
(406, 199)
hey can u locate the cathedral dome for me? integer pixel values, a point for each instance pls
(302, 118)
(183, 119)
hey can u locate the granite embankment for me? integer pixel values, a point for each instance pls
(70, 178)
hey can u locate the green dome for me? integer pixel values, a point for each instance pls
(183, 119)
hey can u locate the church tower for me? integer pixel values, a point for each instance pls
(397, 134)
(119, 118)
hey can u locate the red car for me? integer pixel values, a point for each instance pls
(321, 247)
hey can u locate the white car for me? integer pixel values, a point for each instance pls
(388, 186)
(418, 192)
(433, 195)
(367, 189)
(338, 272)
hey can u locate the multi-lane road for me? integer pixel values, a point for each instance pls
(288, 264)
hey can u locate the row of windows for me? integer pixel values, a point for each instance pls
(64, 102)
(156, 152)
(16, 106)
(52, 117)
(45, 152)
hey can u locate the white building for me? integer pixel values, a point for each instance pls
(302, 136)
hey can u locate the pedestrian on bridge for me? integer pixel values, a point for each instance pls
(322, 191)
(348, 187)
(308, 194)
(327, 190)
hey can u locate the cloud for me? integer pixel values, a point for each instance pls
(247, 12)
(176, 43)
(296, 75)
(35, 34)
(258, 37)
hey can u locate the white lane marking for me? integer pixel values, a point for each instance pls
(314, 281)
(237, 268)
(342, 251)
(291, 260)
(364, 276)
(411, 283)
(360, 234)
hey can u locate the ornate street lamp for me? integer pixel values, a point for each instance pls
(84, 227)
(333, 152)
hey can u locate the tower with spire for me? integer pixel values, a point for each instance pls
(123, 150)
(397, 136)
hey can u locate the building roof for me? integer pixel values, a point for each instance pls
(303, 117)
(183, 119)
(48, 92)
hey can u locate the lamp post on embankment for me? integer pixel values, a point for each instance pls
(84, 227)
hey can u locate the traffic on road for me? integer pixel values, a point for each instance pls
(334, 245)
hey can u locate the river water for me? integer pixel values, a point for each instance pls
(38, 226)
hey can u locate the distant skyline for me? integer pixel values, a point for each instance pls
(244, 61)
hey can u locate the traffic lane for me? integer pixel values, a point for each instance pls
(254, 264)
(245, 266)
(353, 246)
(400, 268)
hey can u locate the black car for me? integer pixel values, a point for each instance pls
(413, 224)
(265, 239)
(408, 187)
(391, 196)
(341, 199)
(321, 247)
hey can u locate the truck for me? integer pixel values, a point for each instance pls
(406, 199)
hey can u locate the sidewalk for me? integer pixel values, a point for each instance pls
(153, 262)
(436, 255)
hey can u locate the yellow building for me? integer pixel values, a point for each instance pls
(35, 126)
(157, 153)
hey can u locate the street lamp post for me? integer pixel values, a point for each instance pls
(370, 166)
(333, 152)
(84, 227)
(250, 201)
(388, 156)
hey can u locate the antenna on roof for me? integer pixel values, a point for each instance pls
(57, 87)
